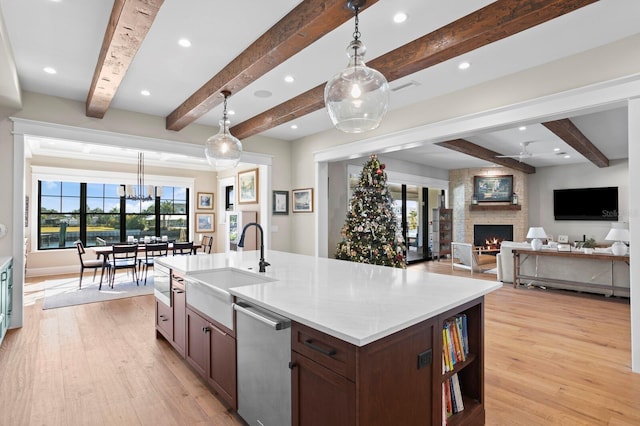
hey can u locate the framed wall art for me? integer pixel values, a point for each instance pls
(493, 188)
(205, 222)
(302, 200)
(205, 200)
(280, 202)
(248, 187)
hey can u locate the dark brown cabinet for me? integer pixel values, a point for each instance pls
(389, 381)
(211, 351)
(395, 380)
(315, 388)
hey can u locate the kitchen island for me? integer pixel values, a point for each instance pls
(366, 341)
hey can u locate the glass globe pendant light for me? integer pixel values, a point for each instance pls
(223, 150)
(357, 98)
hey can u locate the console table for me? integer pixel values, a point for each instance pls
(602, 273)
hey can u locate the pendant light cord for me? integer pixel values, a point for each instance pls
(356, 33)
(224, 111)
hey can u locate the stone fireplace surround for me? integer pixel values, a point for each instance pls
(460, 195)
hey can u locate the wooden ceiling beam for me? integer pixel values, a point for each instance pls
(305, 24)
(496, 21)
(568, 132)
(129, 24)
(477, 151)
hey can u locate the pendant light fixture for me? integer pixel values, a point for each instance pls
(357, 97)
(223, 150)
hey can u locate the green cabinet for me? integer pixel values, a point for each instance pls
(6, 288)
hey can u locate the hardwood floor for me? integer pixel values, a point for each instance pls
(552, 358)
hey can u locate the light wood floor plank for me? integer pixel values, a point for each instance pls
(551, 358)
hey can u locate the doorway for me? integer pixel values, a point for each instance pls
(413, 209)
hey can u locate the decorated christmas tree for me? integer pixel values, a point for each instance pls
(371, 233)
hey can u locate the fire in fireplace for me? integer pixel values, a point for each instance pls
(490, 236)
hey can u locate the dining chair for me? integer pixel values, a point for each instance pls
(124, 256)
(94, 264)
(152, 251)
(207, 244)
(182, 248)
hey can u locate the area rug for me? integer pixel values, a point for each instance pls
(65, 292)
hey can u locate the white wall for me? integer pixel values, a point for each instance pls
(546, 179)
(634, 229)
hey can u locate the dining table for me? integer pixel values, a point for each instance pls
(108, 249)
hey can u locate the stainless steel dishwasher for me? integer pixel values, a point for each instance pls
(263, 341)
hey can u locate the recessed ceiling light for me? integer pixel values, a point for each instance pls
(289, 78)
(567, 156)
(522, 128)
(464, 65)
(50, 70)
(556, 149)
(231, 112)
(145, 93)
(294, 126)
(399, 17)
(184, 42)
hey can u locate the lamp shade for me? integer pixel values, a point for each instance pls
(536, 232)
(618, 233)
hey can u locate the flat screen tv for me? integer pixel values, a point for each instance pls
(586, 204)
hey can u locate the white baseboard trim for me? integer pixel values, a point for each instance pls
(55, 270)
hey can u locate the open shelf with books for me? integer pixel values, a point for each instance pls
(462, 379)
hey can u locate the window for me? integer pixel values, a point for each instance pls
(95, 213)
(59, 214)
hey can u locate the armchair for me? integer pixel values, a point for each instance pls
(465, 256)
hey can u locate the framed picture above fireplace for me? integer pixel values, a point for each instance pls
(493, 188)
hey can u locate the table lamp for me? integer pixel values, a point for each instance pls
(536, 232)
(618, 233)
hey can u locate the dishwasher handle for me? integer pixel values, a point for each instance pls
(274, 321)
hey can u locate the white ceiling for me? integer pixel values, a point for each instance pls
(67, 35)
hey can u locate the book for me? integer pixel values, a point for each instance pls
(457, 393)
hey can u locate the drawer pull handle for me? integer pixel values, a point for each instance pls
(177, 290)
(327, 352)
(217, 329)
(206, 330)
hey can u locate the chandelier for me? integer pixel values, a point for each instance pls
(139, 191)
(357, 97)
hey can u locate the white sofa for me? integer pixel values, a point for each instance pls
(504, 259)
(579, 274)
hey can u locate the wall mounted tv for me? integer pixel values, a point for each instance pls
(586, 204)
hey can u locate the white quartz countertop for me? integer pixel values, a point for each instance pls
(354, 302)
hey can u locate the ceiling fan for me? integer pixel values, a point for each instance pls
(527, 154)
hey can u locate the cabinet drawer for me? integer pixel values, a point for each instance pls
(163, 320)
(335, 354)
